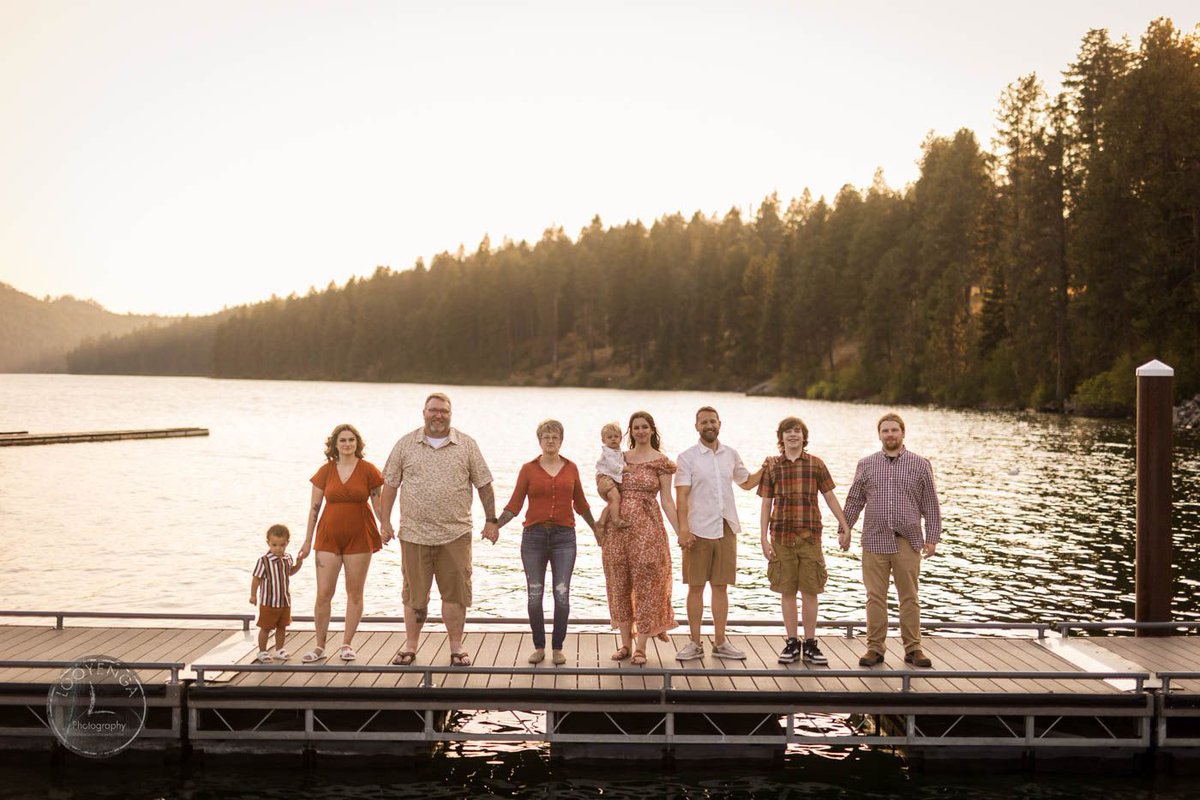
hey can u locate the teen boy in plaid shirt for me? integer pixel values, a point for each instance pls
(795, 563)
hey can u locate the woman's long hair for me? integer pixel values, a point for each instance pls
(331, 453)
(655, 441)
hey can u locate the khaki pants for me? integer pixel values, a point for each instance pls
(905, 568)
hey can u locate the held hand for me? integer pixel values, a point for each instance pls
(491, 532)
(303, 554)
(844, 537)
(686, 540)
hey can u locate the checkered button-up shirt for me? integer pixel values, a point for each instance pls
(896, 493)
(794, 486)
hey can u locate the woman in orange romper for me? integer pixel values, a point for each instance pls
(346, 531)
(637, 559)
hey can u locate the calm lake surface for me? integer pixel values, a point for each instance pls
(1038, 513)
(1038, 509)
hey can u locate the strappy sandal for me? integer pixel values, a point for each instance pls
(404, 658)
(462, 659)
(639, 659)
(346, 653)
(662, 637)
(264, 657)
(314, 655)
(282, 655)
(621, 653)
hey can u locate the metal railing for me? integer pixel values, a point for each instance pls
(848, 627)
(904, 677)
(173, 667)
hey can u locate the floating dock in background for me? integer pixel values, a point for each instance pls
(20, 438)
(1033, 694)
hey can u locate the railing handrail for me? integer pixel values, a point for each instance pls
(847, 625)
(906, 677)
(1065, 628)
(174, 667)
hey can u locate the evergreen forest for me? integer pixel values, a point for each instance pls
(1038, 271)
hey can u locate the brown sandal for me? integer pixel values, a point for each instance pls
(462, 659)
(404, 658)
(621, 653)
(639, 659)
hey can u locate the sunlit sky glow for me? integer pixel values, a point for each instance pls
(174, 157)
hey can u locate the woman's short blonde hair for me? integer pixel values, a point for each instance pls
(549, 425)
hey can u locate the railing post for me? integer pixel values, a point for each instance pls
(1155, 393)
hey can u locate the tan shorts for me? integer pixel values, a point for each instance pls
(711, 560)
(272, 617)
(604, 485)
(798, 567)
(449, 564)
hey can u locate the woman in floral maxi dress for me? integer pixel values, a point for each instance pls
(637, 558)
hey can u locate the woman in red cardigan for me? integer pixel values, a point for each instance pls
(552, 485)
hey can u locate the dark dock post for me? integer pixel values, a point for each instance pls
(1155, 395)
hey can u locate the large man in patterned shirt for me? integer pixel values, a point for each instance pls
(895, 486)
(437, 465)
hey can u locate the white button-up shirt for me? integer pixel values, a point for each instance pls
(710, 474)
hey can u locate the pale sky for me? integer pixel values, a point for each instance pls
(178, 157)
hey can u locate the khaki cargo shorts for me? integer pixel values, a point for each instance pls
(448, 564)
(798, 567)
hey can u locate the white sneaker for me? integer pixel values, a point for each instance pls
(690, 652)
(726, 650)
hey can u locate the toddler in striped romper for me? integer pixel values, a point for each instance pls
(270, 591)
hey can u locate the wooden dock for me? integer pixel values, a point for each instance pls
(1016, 695)
(22, 438)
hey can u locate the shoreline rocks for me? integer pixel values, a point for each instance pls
(1187, 414)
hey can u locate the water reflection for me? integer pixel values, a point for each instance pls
(857, 775)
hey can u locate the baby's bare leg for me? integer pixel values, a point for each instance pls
(280, 636)
(614, 508)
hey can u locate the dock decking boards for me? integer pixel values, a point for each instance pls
(510, 649)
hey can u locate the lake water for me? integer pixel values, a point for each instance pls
(1038, 511)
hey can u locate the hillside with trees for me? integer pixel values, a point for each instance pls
(1036, 273)
(35, 335)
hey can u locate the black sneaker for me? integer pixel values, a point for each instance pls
(790, 651)
(812, 653)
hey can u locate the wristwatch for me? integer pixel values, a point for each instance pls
(492, 520)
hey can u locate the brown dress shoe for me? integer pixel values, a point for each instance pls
(917, 659)
(871, 658)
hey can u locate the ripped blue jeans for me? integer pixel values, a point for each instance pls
(555, 545)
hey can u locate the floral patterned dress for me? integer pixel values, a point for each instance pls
(637, 559)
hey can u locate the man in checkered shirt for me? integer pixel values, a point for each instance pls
(896, 488)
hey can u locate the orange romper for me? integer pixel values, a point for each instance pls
(347, 523)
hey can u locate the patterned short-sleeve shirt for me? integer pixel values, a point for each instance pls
(794, 486)
(435, 485)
